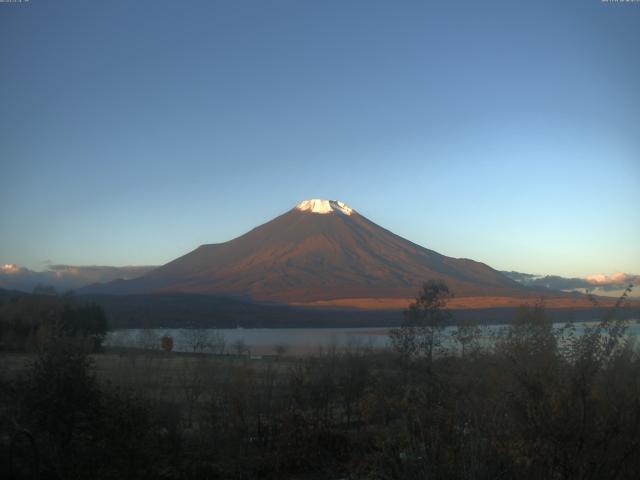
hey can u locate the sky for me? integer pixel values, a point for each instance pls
(507, 132)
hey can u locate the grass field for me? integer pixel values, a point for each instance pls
(186, 381)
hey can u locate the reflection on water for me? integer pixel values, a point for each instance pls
(261, 341)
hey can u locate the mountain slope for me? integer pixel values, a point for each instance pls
(317, 251)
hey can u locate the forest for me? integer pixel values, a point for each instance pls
(537, 403)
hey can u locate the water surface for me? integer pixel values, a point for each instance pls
(263, 341)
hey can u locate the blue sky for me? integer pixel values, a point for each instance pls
(507, 132)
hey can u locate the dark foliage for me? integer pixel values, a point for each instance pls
(27, 322)
(86, 321)
(538, 404)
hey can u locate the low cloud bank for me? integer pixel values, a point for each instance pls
(598, 283)
(65, 277)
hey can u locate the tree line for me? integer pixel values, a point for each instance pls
(27, 322)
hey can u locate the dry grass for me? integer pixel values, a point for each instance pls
(466, 303)
(152, 373)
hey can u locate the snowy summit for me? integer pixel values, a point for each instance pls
(317, 205)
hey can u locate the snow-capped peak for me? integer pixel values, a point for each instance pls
(316, 205)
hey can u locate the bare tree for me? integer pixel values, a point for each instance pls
(148, 339)
(421, 332)
(197, 339)
(191, 382)
(280, 349)
(467, 334)
(240, 347)
(216, 342)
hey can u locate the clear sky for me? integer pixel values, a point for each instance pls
(507, 132)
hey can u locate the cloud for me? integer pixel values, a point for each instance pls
(65, 277)
(618, 279)
(597, 283)
(9, 269)
(520, 277)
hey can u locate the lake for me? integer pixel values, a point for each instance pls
(298, 341)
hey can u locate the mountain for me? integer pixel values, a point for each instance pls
(321, 250)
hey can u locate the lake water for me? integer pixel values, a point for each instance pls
(264, 341)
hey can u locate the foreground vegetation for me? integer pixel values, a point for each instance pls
(537, 404)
